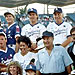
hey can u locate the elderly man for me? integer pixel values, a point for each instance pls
(52, 60)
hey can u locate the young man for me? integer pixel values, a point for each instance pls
(60, 28)
(33, 30)
(71, 49)
(6, 53)
(52, 60)
(13, 31)
(30, 70)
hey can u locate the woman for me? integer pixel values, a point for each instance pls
(14, 68)
(24, 56)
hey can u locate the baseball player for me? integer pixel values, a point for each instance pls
(33, 30)
(13, 31)
(6, 53)
(60, 28)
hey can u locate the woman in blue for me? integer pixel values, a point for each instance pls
(52, 60)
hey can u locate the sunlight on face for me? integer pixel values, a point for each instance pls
(13, 70)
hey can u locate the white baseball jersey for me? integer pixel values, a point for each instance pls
(24, 60)
(33, 32)
(60, 32)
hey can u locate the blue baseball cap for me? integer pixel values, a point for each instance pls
(31, 67)
(32, 10)
(57, 10)
(46, 33)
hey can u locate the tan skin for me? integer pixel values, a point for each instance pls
(48, 42)
(30, 72)
(59, 19)
(13, 70)
(10, 20)
(24, 48)
(3, 41)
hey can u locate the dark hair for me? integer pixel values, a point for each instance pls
(24, 39)
(72, 30)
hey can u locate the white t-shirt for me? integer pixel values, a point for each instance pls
(33, 32)
(25, 60)
(60, 32)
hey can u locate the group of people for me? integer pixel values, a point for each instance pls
(20, 53)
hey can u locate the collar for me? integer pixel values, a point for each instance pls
(5, 51)
(59, 24)
(34, 24)
(11, 25)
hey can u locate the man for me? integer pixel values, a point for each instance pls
(60, 28)
(13, 31)
(6, 53)
(33, 30)
(71, 49)
(30, 70)
(52, 60)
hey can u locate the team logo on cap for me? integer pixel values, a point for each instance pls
(30, 66)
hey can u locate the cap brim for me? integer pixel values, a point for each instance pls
(57, 11)
(31, 11)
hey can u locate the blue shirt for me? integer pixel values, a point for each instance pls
(55, 62)
(6, 56)
(12, 31)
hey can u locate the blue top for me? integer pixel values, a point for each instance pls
(12, 31)
(55, 62)
(6, 56)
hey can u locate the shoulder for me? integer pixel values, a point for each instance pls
(26, 26)
(41, 51)
(60, 48)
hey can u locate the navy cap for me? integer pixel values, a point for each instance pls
(57, 10)
(46, 33)
(32, 10)
(31, 67)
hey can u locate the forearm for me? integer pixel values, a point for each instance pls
(67, 42)
(69, 69)
(38, 73)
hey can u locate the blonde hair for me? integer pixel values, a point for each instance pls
(17, 65)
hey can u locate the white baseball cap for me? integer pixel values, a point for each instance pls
(2, 33)
(12, 12)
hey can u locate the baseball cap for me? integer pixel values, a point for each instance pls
(32, 10)
(2, 33)
(46, 33)
(57, 10)
(12, 12)
(31, 67)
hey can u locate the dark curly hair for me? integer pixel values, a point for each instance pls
(24, 39)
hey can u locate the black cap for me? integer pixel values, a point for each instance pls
(46, 33)
(57, 10)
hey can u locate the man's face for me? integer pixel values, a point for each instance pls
(9, 19)
(33, 17)
(2, 42)
(58, 16)
(73, 36)
(30, 72)
(48, 41)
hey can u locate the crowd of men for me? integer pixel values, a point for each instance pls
(35, 49)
